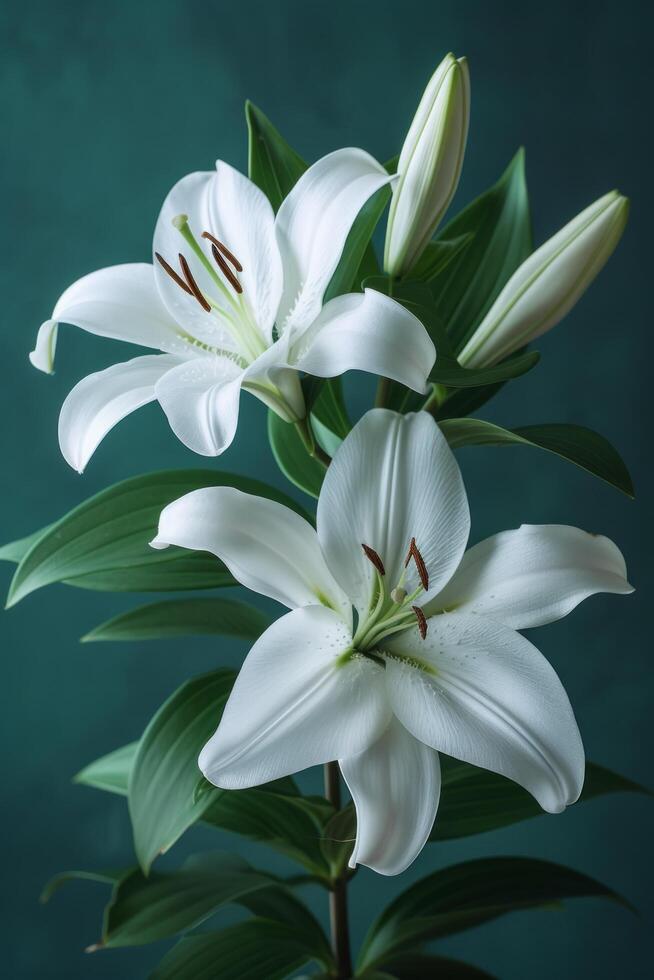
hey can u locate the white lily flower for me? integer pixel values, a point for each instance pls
(548, 284)
(234, 300)
(433, 662)
(429, 166)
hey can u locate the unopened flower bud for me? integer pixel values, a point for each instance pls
(429, 165)
(548, 284)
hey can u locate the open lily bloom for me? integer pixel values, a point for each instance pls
(234, 300)
(430, 663)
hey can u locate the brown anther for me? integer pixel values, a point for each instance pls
(223, 248)
(372, 556)
(173, 275)
(422, 622)
(227, 272)
(419, 563)
(193, 286)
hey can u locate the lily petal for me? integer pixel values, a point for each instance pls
(367, 332)
(312, 226)
(101, 400)
(267, 547)
(296, 704)
(534, 575)
(120, 302)
(486, 696)
(393, 478)
(395, 785)
(230, 207)
(201, 400)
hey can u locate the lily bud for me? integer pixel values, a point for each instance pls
(548, 284)
(429, 165)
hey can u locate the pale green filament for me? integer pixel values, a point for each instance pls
(240, 322)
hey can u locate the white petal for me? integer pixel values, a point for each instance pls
(313, 224)
(101, 400)
(267, 547)
(120, 302)
(201, 398)
(296, 703)
(534, 575)
(367, 332)
(43, 355)
(395, 785)
(393, 478)
(488, 697)
(233, 209)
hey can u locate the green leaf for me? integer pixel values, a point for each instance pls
(438, 255)
(288, 822)
(292, 457)
(15, 551)
(469, 894)
(273, 165)
(275, 814)
(183, 617)
(111, 772)
(349, 274)
(104, 877)
(419, 966)
(449, 372)
(144, 910)
(165, 770)
(104, 542)
(474, 801)
(500, 222)
(587, 449)
(248, 951)
(338, 839)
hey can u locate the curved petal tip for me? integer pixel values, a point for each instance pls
(43, 355)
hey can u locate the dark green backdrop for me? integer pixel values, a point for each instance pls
(104, 106)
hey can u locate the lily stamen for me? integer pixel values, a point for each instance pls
(224, 268)
(422, 622)
(223, 248)
(173, 275)
(195, 289)
(419, 563)
(372, 556)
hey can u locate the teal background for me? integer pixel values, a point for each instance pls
(104, 106)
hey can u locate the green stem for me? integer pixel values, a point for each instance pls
(383, 391)
(439, 393)
(338, 918)
(303, 429)
(384, 384)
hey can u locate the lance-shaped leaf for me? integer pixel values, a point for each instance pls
(162, 801)
(474, 801)
(111, 772)
(275, 814)
(247, 951)
(354, 263)
(500, 223)
(104, 542)
(144, 910)
(438, 255)
(15, 551)
(183, 617)
(288, 822)
(292, 457)
(469, 894)
(273, 165)
(585, 448)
